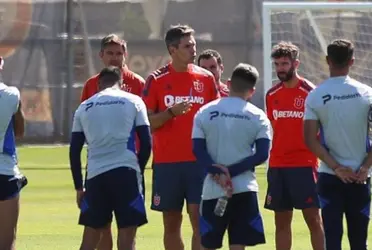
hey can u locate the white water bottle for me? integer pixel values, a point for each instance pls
(221, 205)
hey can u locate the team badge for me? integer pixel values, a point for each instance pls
(299, 102)
(156, 200)
(268, 199)
(198, 86)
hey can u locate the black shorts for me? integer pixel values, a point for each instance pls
(173, 183)
(242, 220)
(289, 188)
(116, 191)
(11, 185)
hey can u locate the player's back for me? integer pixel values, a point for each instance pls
(342, 105)
(108, 120)
(231, 126)
(9, 101)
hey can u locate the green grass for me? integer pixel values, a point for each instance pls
(49, 215)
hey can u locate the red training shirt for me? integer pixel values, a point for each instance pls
(285, 110)
(132, 83)
(223, 89)
(165, 87)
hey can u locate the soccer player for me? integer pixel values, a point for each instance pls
(113, 52)
(106, 122)
(292, 167)
(173, 94)
(223, 134)
(212, 60)
(11, 180)
(340, 108)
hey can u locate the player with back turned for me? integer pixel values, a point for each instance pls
(292, 166)
(223, 134)
(107, 122)
(11, 180)
(173, 94)
(113, 53)
(340, 108)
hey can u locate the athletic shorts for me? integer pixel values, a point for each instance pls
(289, 188)
(242, 220)
(172, 183)
(11, 186)
(116, 191)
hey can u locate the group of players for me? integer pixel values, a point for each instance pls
(205, 150)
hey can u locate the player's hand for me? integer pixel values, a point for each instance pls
(362, 175)
(223, 169)
(181, 108)
(345, 174)
(225, 182)
(79, 197)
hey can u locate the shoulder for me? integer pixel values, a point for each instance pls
(209, 107)
(134, 77)
(13, 91)
(159, 73)
(196, 70)
(306, 86)
(274, 89)
(91, 80)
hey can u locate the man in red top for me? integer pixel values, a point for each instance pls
(113, 53)
(212, 60)
(173, 94)
(292, 167)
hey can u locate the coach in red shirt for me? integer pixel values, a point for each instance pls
(292, 167)
(113, 52)
(173, 94)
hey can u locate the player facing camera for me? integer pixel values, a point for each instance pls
(243, 81)
(109, 77)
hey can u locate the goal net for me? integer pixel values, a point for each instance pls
(311, 26)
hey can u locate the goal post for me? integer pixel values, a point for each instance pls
(311, 26)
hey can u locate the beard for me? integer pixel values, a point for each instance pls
(286, 76)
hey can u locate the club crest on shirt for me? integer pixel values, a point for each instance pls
(198, 86)
(268, 199)
(156, 200)
(299, 102)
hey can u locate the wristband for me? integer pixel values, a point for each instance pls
(169, 110)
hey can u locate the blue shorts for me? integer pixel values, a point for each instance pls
(172, 183)
(352, 200)
(10, 186)
(242, 220)
(115, 191)
(289, 188)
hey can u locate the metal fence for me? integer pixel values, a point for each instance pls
(51, 47)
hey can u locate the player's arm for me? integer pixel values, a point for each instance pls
(158, 119)
(262, 144)
(19, 121)
(269, 111)
(311, 130)
(199, 147)
(144, 135)
(76, 146)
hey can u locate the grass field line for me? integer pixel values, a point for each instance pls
(57, 145)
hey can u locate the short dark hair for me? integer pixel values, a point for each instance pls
(176, 33)
(340, 52)
(285, 49)
(244, 77)
(109, 76)
(208, 54)
(113, 39)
